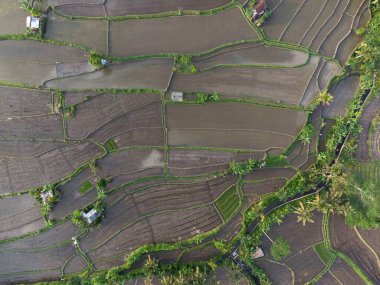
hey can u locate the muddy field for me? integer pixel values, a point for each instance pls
(12, 18)
(249, 126)
(19, 215)
(186, 34)
(368, 114)
(35, 62)
(326, 26)
(109, 115)
(20, 174)
(73, 31)
(92, 8)
(196, 162)
(288, 85)
(149, 73)
(252, 54)
(343, 93)
(349, 242)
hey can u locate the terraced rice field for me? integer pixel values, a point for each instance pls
(114, 135)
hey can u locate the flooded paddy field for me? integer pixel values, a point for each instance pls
(343, 93)
(252, 54)
(327, 26)
(12, 18)
(95, 8)
(148, 73)
(34, 62)
(234, 125)
(72, 31)
(185, 34)
(196, 162)
(286, 85)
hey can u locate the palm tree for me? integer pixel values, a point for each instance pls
(303, 214)
(325, 97)
(167, 280)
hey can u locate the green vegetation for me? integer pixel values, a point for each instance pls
(78, 220)
(276, 160)
(96, 59)
(85, 187)
(304, 214)
(201, 97)
(184, 64)
(280, 249)
(325, 254)
(241, 168)
(324, 97)
(46, 196)
(307, 134)
(111, 145)
(27, 5)
(228, 203)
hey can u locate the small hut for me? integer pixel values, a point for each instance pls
(259, 9)
(33, 23)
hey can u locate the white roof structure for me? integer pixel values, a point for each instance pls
(45, 196)
(90, 216)
(177, 96)
(258, 253)
(32, 22)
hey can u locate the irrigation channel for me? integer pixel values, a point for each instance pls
(253, 225)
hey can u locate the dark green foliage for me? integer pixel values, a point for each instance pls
(96, 59)
(276, 160)
(241, 168)
(228, 202)
(307, 134)
(111, 145)
(325, 254)
(184, 64)
(280, 249)
(201, 97)
(85, 187)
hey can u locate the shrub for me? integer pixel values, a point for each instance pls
(280, 249)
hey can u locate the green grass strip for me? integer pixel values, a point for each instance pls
(85, 187)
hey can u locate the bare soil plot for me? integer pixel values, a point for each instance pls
(264, 187)
(12, 18)
(19, 215)
(369, 112)
(105, 108)
(27, 277)
(195, 162)
(49, 259)
(343, 92)
(26, 148)
(141, 163)
(299, 237)
(233, 125)
(111, 8)
(199, 254)
(327, 278)
(347, 241)
(23, 102)
(36, 127)
(35, 62)
(56, 234)
(325, 26)
(253, 54)
(74, 265)
(345, 274)
(116, 238)
(268, 173)
(286, 85)
(71, 197)
(146, 136)
(149, 73)
(52, 166)
(185, 34)
(277, 272)
(76, 97)
(305, 266)
(231, 229)
(372, 237)
(73, 31)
